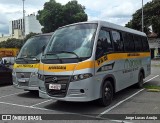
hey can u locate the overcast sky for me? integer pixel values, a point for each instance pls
(116, 11)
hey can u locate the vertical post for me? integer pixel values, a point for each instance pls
(23, 28)
(142, 18)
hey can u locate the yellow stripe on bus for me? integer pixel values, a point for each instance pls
(118, 56)
(90, 64)
(57, 67)
(26, 65)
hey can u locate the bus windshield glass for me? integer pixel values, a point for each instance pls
(75, 41)
(33, 47)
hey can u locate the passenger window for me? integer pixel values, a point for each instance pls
(145, 44)
(128, 42)
(138, 43)
(104, 44)
(117, 41)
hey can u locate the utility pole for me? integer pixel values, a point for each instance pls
(142, 18)
(23, 28)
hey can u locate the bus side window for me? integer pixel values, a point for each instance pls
(104, 43)
(138, 43)
(128, 42)
(117, 41)
(145, 44)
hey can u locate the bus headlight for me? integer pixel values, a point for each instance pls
(41, 77)
(81, 77)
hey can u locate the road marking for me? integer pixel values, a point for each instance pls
(151, 79)
(120, 121)
(44, 109)
(106, 111)
(12, 94)
(25, 106)
(41, 102)
(119, 103)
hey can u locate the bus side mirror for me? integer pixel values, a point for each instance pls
(4, 61)
(43, 48)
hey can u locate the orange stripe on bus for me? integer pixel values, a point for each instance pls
(90, 64)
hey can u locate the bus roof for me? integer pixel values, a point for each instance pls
(112, 26)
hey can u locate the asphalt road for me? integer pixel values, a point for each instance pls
(128, 101)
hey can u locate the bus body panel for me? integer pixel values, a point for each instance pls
(90, 85)
(124, 77)
(26, 65)
(25, 77)
(123, 67)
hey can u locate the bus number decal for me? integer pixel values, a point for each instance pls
(102, 59)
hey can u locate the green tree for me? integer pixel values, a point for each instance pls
(15, 43)
(73, 12)
(151, 17)
(11, 43)
(55, 15)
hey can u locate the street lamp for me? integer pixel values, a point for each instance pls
(142, 18)
(23, 30)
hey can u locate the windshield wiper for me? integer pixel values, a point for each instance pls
(26, 58)
(53, 53)
(34, 58)
(69, 52)
(56, 52)
(22, 58)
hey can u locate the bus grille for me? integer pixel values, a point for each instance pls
(23, 75)
(63, 80)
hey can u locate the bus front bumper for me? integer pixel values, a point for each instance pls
(25, 87)
(30, 84)
(72, 98)
(91, 91)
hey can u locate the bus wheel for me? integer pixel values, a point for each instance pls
(140, 80)
(107, 94)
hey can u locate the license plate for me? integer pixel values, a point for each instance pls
(21, 80)
(55, 86)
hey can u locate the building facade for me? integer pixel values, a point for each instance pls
(31, 24)
(15, 24)
(16, 34)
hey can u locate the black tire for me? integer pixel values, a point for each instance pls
(140, 80)
(107, 94)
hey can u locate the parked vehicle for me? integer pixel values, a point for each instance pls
(93, 60)
(7, 57)
(27, 62)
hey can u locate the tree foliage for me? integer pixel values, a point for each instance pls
(151, 17)
(55, 15)
(15, 43)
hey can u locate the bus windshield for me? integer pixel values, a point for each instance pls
(75, 41)
(33, 47)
